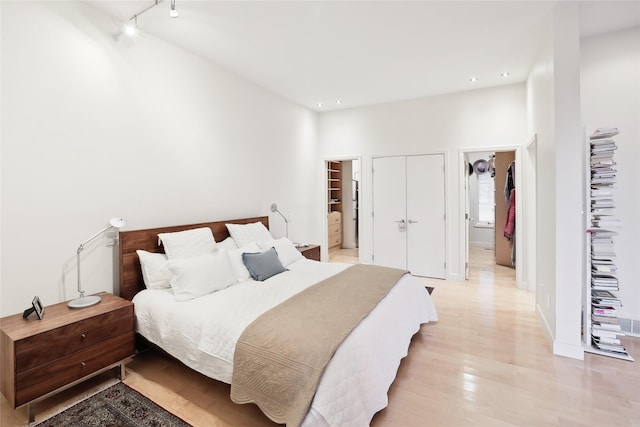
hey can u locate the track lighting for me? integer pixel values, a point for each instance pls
(173, 12)
(131, 29)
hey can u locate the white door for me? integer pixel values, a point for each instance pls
(408, 214)
(389, 212)
(426, 216)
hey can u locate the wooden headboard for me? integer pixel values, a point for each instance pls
(131, 281)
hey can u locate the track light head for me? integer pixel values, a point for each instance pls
(173, 12)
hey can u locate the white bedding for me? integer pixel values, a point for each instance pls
(202, 333)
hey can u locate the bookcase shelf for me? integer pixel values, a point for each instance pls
(601, 329)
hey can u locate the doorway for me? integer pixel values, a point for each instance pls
(489, 175)
(343, 199)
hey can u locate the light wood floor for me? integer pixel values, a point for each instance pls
(484, 363)
(349, 256)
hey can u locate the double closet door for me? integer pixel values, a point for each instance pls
(409, 214)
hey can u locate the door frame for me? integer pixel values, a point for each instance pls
(324, 246)
(520, 188)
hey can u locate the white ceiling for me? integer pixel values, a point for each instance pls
(365, 52)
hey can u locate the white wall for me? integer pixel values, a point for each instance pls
(610, 95)
(94, 127)
(475, 119)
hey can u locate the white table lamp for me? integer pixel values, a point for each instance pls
(86, 301)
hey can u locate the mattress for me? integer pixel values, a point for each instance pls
(202, 334)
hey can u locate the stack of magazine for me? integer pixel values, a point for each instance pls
(605, 328)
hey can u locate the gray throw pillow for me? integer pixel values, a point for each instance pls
(263, 265)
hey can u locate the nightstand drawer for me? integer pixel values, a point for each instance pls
(335, 240)
(48, 377)
(334, 218)
(51, 345)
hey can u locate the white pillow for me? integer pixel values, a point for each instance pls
(188, 243)
(155, 273)
(244, 234)
(235, 256)
(227, 243)
(287, 252)
(201, 275)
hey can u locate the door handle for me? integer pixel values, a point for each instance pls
(400, 221)
(412, 221)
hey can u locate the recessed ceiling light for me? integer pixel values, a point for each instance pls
(473, 79)
(338, 101)
(320, 105)
(505, 74)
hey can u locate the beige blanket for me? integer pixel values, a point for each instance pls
(281, 356)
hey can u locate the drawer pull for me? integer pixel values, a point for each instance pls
(83, 336)
(83, 364)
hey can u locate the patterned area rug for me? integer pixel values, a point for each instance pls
(116, 406)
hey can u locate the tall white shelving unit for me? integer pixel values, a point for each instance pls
(601, 331)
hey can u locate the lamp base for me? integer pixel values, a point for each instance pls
(84, 301)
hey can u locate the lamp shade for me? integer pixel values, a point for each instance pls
(118, 222)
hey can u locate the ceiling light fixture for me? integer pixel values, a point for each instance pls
(338, 101)
(473, 79)
(132, 28)
(505, 74)
(173, 12)
(320, 105)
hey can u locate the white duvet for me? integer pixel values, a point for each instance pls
(202, 333)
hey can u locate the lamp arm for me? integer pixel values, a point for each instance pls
(283, 217)
(80, 249)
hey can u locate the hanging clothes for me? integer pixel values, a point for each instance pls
(510, 222)
(510, 182)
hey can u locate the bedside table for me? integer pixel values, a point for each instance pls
(69, 345)
(310, 252)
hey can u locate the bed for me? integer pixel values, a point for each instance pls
(202, 332)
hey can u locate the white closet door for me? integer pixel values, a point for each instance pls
(389, 212)
(426, 216)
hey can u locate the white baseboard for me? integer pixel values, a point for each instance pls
(568, 350)
(485, 245)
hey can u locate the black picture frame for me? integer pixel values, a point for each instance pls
(37, 307)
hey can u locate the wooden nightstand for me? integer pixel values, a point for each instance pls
(69, 345)
(310, 252)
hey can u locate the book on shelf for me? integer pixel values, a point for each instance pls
(608, 341)
(605, 303)
(604, 319)
(604, 311)
(603, 294)
(596, 268)
(604, 326)
(612, 335)
(603, 133)
(611, 348)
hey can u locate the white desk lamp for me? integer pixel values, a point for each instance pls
(90, 300)
(274, 208)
